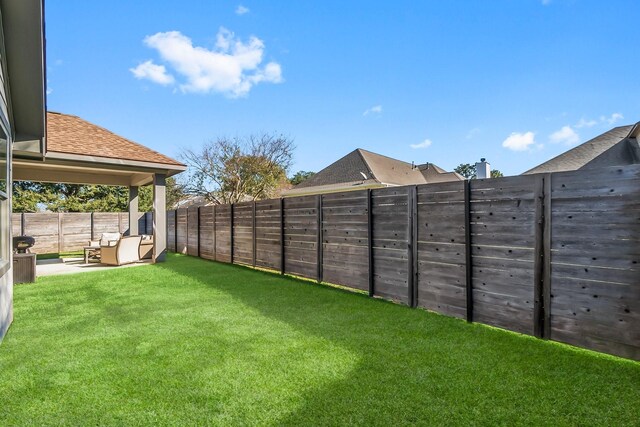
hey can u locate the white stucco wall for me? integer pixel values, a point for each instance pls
(6, 302)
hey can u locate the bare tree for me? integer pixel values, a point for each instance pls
(229, 170)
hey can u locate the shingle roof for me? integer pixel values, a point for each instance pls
(378, 169)
(599, 149)
(73, 135)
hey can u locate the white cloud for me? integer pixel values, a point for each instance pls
(376, 109)
(612, 119)
(565, 135)
(583, 123)
(472, 133)
(241, 10)
(232, 67)
(154, 72)
(424, 144)
(519, 141)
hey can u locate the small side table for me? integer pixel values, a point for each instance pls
(24, 268)
(92, 252)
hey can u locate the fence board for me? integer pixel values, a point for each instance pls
(390, 242)
(205, 233)
(300, 236)
(181, 231)
(223, 233)
(267, 229)
(171, 230)
(44, 228)
(16, 224)
(75, 231)
(494, 205)
(441, 249)
(193, 237)
(595, 249)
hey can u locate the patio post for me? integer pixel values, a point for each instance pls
(133, 211)
(159, 218)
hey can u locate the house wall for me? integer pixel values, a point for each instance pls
(6, 260)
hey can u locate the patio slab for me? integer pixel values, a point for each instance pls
(50, 267)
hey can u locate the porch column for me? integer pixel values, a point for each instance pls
(159, 218)
(133, 211)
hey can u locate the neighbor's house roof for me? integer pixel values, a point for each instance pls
(80, 152)
(616, 147)
(379, 171)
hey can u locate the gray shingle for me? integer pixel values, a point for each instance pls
(378, 169)
(608, 149)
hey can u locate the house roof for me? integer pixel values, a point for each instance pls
(72, 135)
(613, 148)
(346, 173)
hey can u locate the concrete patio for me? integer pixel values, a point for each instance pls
(50, 267)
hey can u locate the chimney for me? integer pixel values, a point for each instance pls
(483, 169)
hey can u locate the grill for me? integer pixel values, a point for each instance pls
(21, 244)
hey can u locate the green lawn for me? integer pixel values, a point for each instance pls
(70, 254)
(192, 342)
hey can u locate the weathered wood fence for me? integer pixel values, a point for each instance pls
(551, 255)
(64, 232)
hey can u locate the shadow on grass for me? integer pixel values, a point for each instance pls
(420, 367)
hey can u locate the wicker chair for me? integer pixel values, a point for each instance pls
(125, 251)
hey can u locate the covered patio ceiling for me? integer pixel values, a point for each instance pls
(79, 152)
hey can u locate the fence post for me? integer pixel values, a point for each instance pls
(319, 235)
(215, 249)
(411, 246)
(282, 263)
(467, 249)
(91, 222)
(60, 235)
(253, 234)
(546, 253)
(370, 243)
(22, 224)
(198, 231)
(231, 234)
(538, 262)
(175, 228)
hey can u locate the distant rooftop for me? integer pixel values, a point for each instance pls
(616, 147)
(362, 169)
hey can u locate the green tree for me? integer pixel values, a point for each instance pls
(300, 176)
(37, 196)
(467, 170)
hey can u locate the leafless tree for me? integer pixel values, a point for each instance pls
(229, 170)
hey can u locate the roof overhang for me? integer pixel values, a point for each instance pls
(77, 169)
(23, 27)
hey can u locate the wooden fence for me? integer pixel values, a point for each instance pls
(64, 232)
(550, 255)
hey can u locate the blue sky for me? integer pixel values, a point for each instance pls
(447, 82)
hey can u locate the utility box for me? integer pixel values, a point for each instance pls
(24, 268)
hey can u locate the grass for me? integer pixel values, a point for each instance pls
(192, 342)
(70, 254)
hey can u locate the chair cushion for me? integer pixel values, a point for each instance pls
(109, 239)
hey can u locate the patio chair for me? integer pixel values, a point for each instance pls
(146, 246)
(125, 251)
(106, 239)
